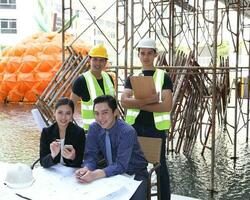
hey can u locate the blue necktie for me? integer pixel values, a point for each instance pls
(108, 148)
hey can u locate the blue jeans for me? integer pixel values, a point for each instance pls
(164, 174)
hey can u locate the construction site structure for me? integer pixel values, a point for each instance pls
(207, 83)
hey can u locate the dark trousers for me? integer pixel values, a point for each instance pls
(164, 174)
(141, 192)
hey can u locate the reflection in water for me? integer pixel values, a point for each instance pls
(19, 142)
(191, 177)
(19, 136)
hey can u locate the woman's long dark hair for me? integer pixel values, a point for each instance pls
(65, 101)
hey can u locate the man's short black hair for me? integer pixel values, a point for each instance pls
(98, 57)
(111, 101)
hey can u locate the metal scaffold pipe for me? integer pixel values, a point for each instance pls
(214, 59)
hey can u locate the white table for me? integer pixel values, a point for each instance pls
(59, 183)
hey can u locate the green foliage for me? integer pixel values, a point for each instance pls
(42, 26)
(223, 49)
(43, 16)
(2, 47)
(68, 23)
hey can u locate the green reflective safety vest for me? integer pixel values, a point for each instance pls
(162, 120)
(94, 91)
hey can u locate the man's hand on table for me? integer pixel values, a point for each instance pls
(84, 175)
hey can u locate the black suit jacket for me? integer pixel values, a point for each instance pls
(75, 136)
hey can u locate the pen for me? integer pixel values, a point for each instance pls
(82, 174)
(58, 140)
(23, 196)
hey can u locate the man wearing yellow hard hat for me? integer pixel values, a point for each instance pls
(92, 84)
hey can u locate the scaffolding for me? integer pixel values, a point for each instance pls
(199, 28)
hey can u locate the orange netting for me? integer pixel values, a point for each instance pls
(28, 67)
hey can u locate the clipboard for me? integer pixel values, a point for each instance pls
(143, 86)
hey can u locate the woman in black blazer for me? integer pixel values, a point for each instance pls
(62, 142)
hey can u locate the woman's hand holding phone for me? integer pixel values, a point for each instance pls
(68, 152)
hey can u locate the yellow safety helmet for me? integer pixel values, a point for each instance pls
(98, 51)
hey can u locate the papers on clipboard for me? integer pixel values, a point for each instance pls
(143, 86)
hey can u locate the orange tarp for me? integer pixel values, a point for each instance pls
(17, 50)
(46, 63)
(9, 82)
(15, 95)
(3, 94)
(13, 64)
(27, 68)
(33, 50)
(28, 64)
(3, 63)
(51, 49)
(31, 96)
(25, 81)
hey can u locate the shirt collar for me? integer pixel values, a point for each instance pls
(113, 128)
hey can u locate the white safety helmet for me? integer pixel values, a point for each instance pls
(19, 176)
(147, 43)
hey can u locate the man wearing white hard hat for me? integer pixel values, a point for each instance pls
(151, 116)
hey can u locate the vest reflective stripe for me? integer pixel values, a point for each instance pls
(89, 121)
(132, 112)
(159, 83)
(162, 120)
(94, 91)
(91, 86)
(86, 107)
(110, 86)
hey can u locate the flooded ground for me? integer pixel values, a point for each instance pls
(19, 142)
(19, 135)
